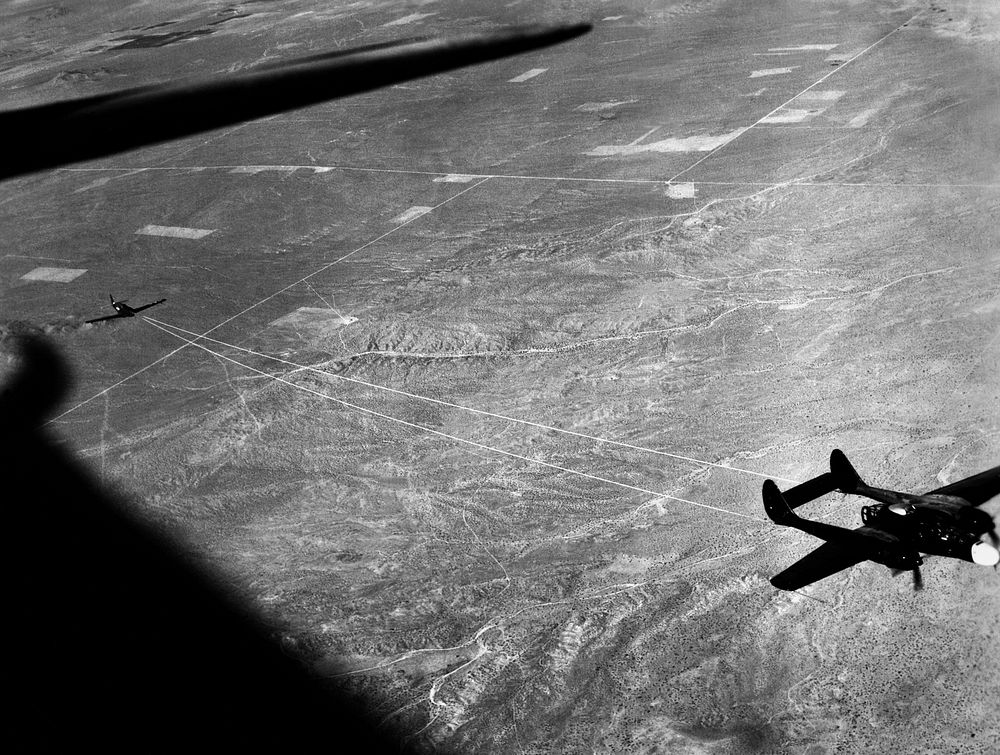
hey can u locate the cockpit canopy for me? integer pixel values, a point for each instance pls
(871, 514)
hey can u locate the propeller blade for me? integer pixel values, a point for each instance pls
(918, 580)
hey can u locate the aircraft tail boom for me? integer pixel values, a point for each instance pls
(844, 474)
(777, 507)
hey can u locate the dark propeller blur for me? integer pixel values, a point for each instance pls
(47, 136)
(117, 640)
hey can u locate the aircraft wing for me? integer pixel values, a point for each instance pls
(810, 490)
(977, 489)
(147, 306)
(826, 560)
(46, 136)
(100, 319)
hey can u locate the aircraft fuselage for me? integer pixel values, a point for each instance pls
(937, 525)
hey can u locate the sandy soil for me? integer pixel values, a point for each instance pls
(497, 463)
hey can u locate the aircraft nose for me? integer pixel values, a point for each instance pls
(985, 554)
(977, 517)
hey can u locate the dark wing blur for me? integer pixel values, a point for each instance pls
(828, 559)
(147, 306)
(977, 489)
(47, 136)
(85, 565)
(101, 319)
(810, 490)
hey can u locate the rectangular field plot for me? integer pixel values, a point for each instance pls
(174, 232)
(412, 214)
(528, 75)
(53, 274)
(313, 319)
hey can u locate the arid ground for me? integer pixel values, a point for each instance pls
(493, 364)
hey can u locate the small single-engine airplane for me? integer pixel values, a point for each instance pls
(896, 531)
(124, 310)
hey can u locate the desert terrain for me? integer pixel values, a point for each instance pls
(471, 384)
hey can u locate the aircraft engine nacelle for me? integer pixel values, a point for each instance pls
(984, 554)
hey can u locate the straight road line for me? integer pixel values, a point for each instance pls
(482, 412)
(818, 81)
(256, 304)
(579, 179)
(482, 446)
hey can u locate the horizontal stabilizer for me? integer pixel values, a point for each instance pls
(810, 490)
(780, 512)
(826, 560)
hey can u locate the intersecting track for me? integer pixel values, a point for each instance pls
(371, 412)
(440, 402)
(479, 180)
(267, 298)
(910, 185)
(818, 81)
